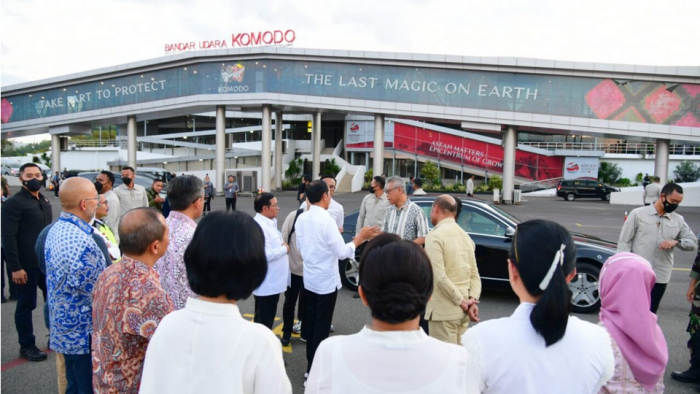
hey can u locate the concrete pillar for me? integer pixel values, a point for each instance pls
(510, 142)
(131, 140)
(220, 148)
(316, 146)
(278, 150)
(266, 153)
(378, 166)
(55, 154)
(661, 161)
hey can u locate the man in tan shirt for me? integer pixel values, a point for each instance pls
(457, 285)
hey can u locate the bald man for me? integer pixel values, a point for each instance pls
(73, 263)
(457, 285)
(129, 288)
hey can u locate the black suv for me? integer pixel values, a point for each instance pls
(577, 188)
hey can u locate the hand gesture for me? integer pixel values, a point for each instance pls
(668, 245)
(473, 313)
(368, 233)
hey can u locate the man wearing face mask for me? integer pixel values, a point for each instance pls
(130, 194)
(24, 215)
(73, 263)
(653, 231)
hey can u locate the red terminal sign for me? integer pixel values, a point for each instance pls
(274, 37)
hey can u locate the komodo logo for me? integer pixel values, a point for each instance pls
(229, 75)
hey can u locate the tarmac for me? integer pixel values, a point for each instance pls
(589, 216)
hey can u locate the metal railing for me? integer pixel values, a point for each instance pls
(623, 148)
(96, 143)
(539, 185)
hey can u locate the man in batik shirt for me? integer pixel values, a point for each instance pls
(186, 199)
(128, 304)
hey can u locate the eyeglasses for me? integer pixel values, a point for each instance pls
(387, 191)
(195, 200)
(96, 198)
(103, 203)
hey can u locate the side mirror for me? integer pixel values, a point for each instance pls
(510, 232)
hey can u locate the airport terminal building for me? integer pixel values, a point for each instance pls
(223, 111)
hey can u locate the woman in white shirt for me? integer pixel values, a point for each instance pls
(208, 347)
(393, 355)
(540, 348)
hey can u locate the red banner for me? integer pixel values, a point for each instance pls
(468, 152)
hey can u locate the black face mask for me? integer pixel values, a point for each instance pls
(668, 207)
(127, 181)
(371, 189)
(33, 185)
(98, 186)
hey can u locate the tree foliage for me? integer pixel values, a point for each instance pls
(495, 182)
(430, 172)
(293, 172)
(687, 171)
(331, 167)
(609, 173)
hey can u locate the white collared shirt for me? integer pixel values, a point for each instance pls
(209, 348)
(337, 213)
(277, 278)
(376, 362)
(321, 247)
(511, 357)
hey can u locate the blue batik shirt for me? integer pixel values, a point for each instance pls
(73, 263)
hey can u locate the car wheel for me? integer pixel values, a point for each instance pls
(606, 197)
(570, 196)
(584, 286)
(350, 273)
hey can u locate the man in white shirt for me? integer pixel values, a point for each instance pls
(106, 178)
(470, 186)
(321, 247)
(130, 194)
(652, 192)
(335, 209)
(418, 187)
(277, 253)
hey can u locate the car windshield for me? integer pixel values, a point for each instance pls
(504, 213)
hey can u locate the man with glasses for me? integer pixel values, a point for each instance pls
(24, 215)
(403, 217)
(73, 264)
(186, 200)
(105, 232)
(335, 209)
(277, 252)
(106, 179)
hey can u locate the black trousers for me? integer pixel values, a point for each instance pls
(79, 373)
(26, 303)
(296, 290)
(55, 190)
(265, 310)
(657, 293)
(319, 315)
(207, 204)
(230, 204)
(5, 272)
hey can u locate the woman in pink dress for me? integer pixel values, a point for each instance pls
(638, 343)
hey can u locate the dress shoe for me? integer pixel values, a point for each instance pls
(32, 353)
(285, 341)
(356, 295)
(689, 376)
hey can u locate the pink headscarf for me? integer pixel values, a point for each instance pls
(626, 280)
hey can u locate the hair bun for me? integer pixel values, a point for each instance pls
(398, 302)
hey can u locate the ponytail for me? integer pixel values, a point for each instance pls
(543, 271)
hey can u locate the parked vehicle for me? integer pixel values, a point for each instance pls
(572, 189)
(492, 230)
(8, 171)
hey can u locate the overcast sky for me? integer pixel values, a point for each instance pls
(46, 38)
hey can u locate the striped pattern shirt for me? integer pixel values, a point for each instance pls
(408, 222)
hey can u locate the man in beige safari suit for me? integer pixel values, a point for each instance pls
(456, 277)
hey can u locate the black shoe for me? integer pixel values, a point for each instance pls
(4, 300)
(689, 376)
(356, 295)
(285, 341)
(32, 353)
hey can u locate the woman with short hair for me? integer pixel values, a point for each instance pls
(393, 354)
(540, 348)
(208, 347)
